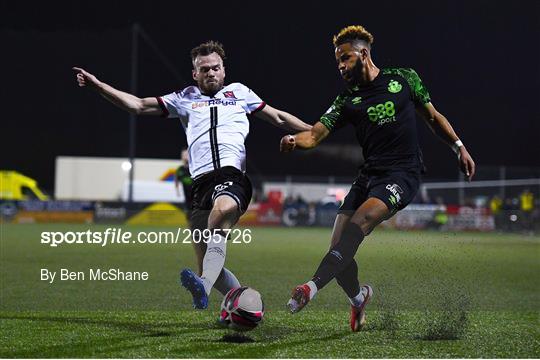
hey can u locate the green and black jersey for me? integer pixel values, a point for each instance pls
(383, 114)
(184, 177)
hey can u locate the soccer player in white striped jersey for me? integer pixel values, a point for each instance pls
(214, 117)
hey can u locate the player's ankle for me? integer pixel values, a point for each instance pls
(207, 285)
(357, 300)
(313, 289)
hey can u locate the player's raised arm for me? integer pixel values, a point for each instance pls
(124, 100)
(442, 128)
(282, 119)
(305, 139)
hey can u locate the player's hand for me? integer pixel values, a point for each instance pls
(466, 163)
(84, 78)
(288, 143)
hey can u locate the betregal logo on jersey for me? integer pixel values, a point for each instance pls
(213, 102)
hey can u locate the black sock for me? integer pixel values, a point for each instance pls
(348, 279)
(339, 256)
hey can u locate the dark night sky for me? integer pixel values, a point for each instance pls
(479, 59)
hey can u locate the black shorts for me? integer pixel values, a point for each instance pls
(395, 189)
(206, 188)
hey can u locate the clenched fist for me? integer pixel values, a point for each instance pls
(288, 143)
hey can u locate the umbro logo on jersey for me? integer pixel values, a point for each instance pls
(229, 94)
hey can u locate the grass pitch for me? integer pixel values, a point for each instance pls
(436, 295)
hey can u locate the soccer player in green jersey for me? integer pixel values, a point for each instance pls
(182, 176)
(381, 105)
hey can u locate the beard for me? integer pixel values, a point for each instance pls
(356, 73)
(210, 88)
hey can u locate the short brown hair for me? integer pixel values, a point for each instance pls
(208, 48)
(351, 34)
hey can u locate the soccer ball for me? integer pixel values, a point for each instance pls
(242, 309)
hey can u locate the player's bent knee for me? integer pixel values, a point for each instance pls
(366, 222)
(361, 221)
(370, 215)
(225, 204)
(218, 215)
(224, 213)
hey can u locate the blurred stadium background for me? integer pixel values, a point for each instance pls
(97, 190)
(80, 148)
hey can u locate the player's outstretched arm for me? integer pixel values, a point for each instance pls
(124, 100)
(305, 139)
(442, 128)
(282, 119)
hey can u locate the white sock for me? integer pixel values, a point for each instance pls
(226, 281)
(358, 299)
(313, 289)
(213, 261)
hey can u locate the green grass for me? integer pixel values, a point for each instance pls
(436, 295)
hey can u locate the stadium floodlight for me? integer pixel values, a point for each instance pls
(126, 166)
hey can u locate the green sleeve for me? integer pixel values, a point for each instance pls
(420, 94)
(419, 90)
(183, 175)
(179, 173)
(333, 119)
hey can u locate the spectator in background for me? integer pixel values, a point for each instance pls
(495, 205)
(182, 176)
(440, 217)
(526, 201)
(526, 205)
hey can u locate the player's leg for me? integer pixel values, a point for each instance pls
(348, 278)
(355, 197)
(226, 279)
(385, 196)
(372, 212)
(225, 220)
(223, 217)
(359, 296)
(199, 221)
(227, 194)
(231, 197)
(202, 204)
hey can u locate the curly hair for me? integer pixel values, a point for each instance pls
(208, 48)
(353, 33)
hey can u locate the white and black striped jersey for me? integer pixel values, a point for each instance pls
(216, 127)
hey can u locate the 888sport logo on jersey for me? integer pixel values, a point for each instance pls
(382, 113)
